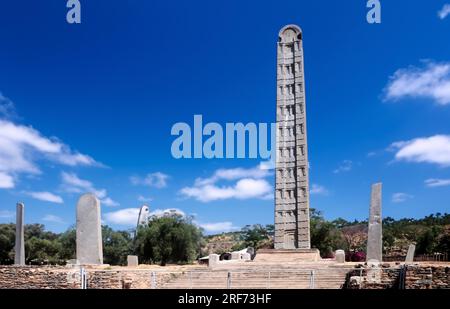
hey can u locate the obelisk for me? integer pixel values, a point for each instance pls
(375, 234)
(292, 229)
(19, 258)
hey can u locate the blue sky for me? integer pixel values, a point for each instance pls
(90, 107)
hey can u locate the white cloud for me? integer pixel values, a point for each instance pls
(7, 109)
(434, 149)
(22, 146)
(144, 199)
(318, 189)
(129, 216)
(157, 180)
(71, 183)
(267, 165)
(46, 197)
(259, 172)
(432, 183)
(53, 219)
(401, 197)
(6, 214)
(345, 166)
(250, 183)
(107, 201)
(246, 188)
(6, 181)
(371, 154)
(218, 227)
(167, 212)
(431, 81)
(445, 11)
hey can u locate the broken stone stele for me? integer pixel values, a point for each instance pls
(144, 214)
(410, 254)
(292, 230)
(19, 258)
(89, 231)
(375, 236)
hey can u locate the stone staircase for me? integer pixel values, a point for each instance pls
(255, 276)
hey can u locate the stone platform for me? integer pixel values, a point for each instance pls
(287, 255)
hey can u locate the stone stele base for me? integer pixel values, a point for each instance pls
(287, 255)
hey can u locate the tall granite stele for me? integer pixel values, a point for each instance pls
(292, 230)
(19, 258)
(292, 243)
(375, 235)
(89, 231)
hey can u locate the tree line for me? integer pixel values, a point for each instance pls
(173, 239)
(176, 239)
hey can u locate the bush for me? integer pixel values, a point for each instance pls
(358, 256)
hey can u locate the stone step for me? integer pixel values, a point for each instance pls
(249, 277)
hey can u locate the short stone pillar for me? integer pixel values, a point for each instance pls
(213, 260)
(340, 256)
(132, 261)
(89, 230)
(410, 255)
(19, 258)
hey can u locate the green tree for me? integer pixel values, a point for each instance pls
(340, 223)
(68, 241)
(324, 235)
(7, 239)
(443, 245)
(169, 239)
(428, 240)
(42, 251)
(38, 231)
(256, 235)
(116, 246)
(388, 239)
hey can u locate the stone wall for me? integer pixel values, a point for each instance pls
(385, 278)
(58, 277)
(415, 277)
(431, 277)
(36, 277)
